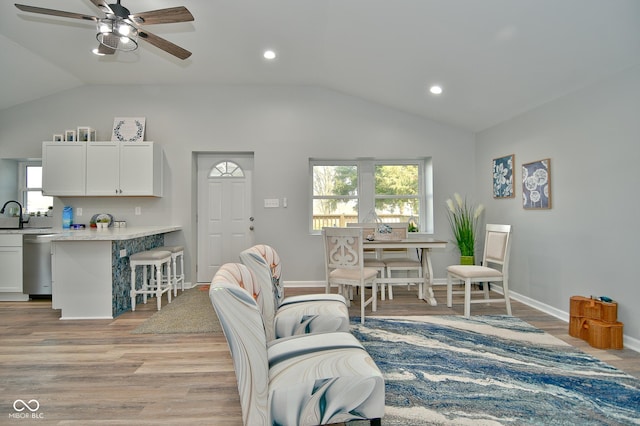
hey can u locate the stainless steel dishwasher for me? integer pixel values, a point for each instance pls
(36, 262)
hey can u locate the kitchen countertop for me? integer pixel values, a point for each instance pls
(92, 234)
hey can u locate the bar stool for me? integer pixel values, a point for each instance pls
(176, 251)
(155, 259)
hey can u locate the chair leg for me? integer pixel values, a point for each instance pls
(170, 282)
(158, 269)
(133, 288)
(485, 290)
(175, 276)
(467, 297)
(374, 294)
(449, 291)
(505, 291)
(182, 271)
(145, 283)
(362, 298)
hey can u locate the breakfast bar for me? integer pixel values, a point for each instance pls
(90, 269)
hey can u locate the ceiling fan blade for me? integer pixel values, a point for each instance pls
(165, 45)
(53, 12)
(162, 16)
(102, 5)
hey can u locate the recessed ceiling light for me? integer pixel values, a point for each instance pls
(269, 54)
(435, 90)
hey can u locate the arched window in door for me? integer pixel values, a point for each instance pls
(226, 169)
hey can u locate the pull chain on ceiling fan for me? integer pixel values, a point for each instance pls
(119, 30)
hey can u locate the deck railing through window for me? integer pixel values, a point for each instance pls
(320, 221)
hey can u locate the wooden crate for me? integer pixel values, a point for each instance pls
(604, 335)
(577, 327)
(587, 307)
(599, 334)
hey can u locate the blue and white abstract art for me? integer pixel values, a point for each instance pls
(503, 177)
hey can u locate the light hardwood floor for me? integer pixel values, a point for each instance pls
(97, 372)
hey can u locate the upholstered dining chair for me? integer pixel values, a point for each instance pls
(312, 379)
(344, 261)
(494, 269)
(302, 314)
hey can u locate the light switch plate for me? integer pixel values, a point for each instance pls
(270, 203)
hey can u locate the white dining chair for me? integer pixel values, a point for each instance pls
(345, 268)
(494, 269)
(400, 260)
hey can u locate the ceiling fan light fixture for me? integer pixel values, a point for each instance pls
(117, 34)
(105, 26)
(124, 29)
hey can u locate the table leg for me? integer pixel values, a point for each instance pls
(427, 272)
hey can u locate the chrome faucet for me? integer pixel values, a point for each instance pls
(20, 222)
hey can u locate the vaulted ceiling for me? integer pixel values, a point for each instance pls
(494, 58)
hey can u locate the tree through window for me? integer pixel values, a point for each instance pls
(348, 191)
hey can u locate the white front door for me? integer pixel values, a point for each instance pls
(224, 210)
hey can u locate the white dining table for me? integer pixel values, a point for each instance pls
(425, 245)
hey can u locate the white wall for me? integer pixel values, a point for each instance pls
(282, 126)
(587, 243)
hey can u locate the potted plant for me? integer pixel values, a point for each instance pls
(463, 218)
(102, 223)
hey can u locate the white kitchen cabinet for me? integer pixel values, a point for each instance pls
(63, 168)
(103, 168)
(11, 265)
(140, 169)
(120, 169)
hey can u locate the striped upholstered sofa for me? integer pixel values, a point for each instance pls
(308, 379)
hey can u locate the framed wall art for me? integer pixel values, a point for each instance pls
(70, 135)
(536, 185)
(58, 138)
(503, 177)
(86, 134)
(128, 129)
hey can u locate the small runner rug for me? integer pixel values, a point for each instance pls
(492, 370)
(190, 312)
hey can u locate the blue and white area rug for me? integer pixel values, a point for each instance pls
(492, 370)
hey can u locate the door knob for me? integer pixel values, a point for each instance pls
(251, 228)
(251, 219)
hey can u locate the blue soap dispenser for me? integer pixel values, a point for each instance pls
(67, 217)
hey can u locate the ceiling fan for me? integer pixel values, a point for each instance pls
(120, 29)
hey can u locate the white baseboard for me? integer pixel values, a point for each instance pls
(629, 342)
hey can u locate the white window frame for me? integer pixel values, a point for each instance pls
(366, 187)
(22, 181)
